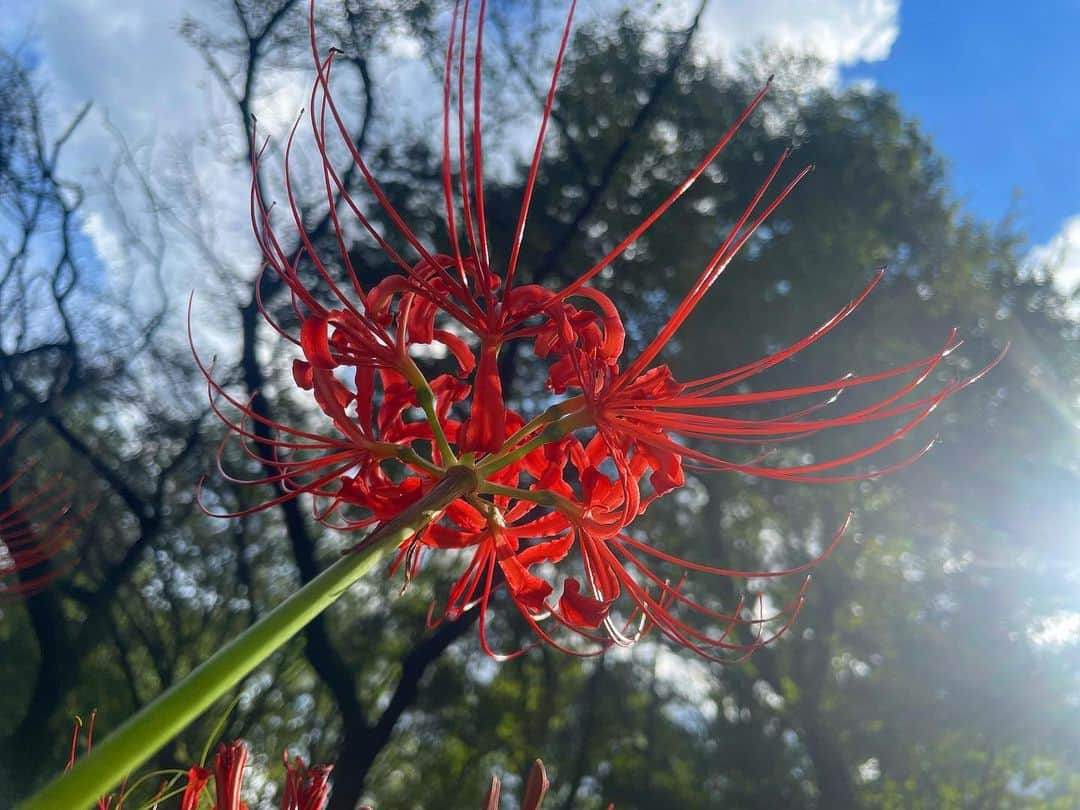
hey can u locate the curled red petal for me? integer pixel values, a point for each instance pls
(581, 610)
(197, 779)
(315, 342)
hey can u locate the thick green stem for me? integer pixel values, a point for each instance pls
(145, 733)
(552, 414)
(543, 497)
(425, 397)
(553, 432)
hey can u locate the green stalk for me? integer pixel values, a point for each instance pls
(543, 497)
(425, 397)
(552, 414)
(144, 734)
(553, 432)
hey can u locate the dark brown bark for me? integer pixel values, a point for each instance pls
(56, 672)
(836, 790)
(361, 744)
(810, 665)
(589, 702)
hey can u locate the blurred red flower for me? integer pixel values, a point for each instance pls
(305, 788)
(36, 528)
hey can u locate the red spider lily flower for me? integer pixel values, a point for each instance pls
(305, 788)
(36, 529)
(197, 780)
(536, 788)
(550, 520)
(228, 775)
(513, 537)
(229, 765)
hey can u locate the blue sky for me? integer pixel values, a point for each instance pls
(997, 90)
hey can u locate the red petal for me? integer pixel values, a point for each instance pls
(459, 348)
(536, 787)
(302, 374)
(552, 551)
(485, 429)
(528, 590)
(315, 343)
(196, 783)
(580, 610)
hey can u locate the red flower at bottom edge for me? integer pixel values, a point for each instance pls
(306, 788)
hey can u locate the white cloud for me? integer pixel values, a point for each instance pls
(107, 243)
(838, 32)
(127, 59)
(123, 55)
(152, 88)
(1060, 256)
(1056, 630)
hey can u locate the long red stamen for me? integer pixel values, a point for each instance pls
(534, 166)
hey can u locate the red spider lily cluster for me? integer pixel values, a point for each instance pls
(556, 492)
(308, 788)
(305, 788)
(36, 527)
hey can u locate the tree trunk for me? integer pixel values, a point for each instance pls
(836, 790)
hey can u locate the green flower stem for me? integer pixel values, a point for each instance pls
(144, 734)
(553, 432)
(410, 456)
(552, 414)
(543, 497)
(425, 397)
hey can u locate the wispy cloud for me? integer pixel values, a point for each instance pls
(1056, 630)
(839, 32)
(1060, 256)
